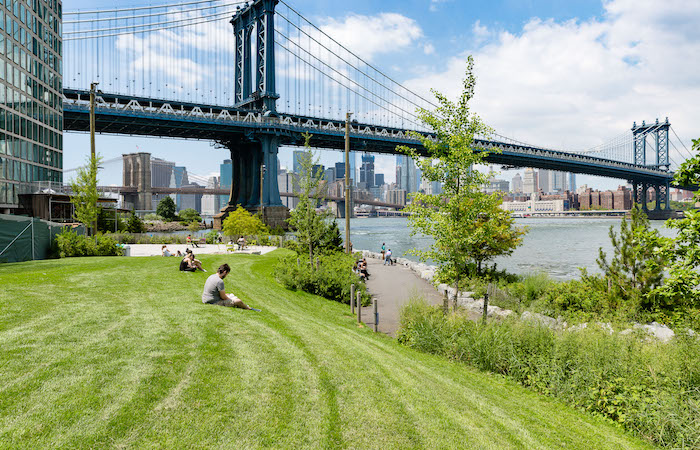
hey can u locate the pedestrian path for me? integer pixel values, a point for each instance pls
(393, 287)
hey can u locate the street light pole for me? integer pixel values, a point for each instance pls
(348, 192)
(262, 210)
(93, 87)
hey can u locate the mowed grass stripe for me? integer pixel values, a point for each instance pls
(125, 355)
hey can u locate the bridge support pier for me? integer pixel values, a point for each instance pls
(248, 157)
(137, 173)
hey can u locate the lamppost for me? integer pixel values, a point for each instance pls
(262, 208)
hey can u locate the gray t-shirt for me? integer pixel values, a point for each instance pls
(212, 287)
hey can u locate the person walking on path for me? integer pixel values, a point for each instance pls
(383, 249)
(214, 292)
(387, 259)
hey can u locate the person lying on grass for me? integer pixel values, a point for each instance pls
(215, 294)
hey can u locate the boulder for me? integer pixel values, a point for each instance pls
(540, 319)
(658, 331)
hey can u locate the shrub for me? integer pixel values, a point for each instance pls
(135, 225)
(332, 280)
(70, 244)
(650, 388)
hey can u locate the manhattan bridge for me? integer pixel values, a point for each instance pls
(254, 76)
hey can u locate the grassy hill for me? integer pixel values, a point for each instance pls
(120, 352)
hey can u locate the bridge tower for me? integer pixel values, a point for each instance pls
(137, 174)
(660, 160)
(255, 154)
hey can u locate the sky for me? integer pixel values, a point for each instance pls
(561, 74)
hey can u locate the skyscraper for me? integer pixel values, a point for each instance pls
(517, 183)
(544, 180)
(367, 171)
(406, 174)
(572, 182)
(31, 90)
(296, 161)
(353, 168)
(530, 181)
(225, 180)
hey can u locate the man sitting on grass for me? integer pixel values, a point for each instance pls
(215, 294)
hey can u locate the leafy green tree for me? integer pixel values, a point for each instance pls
(242, 223)
(636, 267)
(166, 208)
(189, 215)
(135, 224)
(310, 224)
(681, 290)
(467, 225)
(85, 194)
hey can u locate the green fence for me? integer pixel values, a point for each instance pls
(26, 238)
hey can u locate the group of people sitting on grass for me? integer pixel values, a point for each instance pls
(189, 263)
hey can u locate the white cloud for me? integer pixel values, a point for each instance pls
(574, 85)
(428, 49)
(369, 36)
(434, 4)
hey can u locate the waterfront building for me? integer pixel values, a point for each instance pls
(179, 179)
(517, 183)
(225, 179)
(558, 182)
(623, 198)
(296, 160)
(31, 91)
(396, 196)
(530, 182)
(532, 206)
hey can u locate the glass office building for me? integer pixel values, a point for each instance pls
(31, 117)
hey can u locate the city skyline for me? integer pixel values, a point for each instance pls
(569, 110)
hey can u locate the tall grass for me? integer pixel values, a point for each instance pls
(650, 388)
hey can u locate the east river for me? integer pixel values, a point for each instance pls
(556, 246)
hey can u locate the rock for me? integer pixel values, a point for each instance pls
(427, 275)
(442, 287)
(540, 319)
(606, 327)
(579, 327)
(691, 333)
(658, 331)
(626, 332)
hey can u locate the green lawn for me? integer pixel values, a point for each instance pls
(120, 352)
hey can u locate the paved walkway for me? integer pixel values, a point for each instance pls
(393, 286)
(155, 249)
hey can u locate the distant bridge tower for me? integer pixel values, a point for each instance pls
(255, 154)
(137, 173)
(660, 159)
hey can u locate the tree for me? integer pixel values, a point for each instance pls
(190, 215)
(681, 289)
(135, 224)
(636, 267)
(310, 224)
(241, 223)
(467, 225)
(331, 241)
(85, 195)
(193, 226)
(166, 208)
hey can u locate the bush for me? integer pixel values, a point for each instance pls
(650, 388)
(135, 225)
(332, 280)
(70, 244)
(152, 217)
